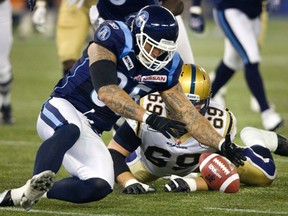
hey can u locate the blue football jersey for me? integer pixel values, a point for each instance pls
(133, 77)
(120, 9)
(252, 8)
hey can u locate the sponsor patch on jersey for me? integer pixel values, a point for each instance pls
(142, 17)
(128, 62)
(104, 33)
(152, 78)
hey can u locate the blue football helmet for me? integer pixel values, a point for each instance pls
(196, 85)
(156, 27)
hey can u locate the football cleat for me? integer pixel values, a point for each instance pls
(7, 117)
(282, 148)
(271, 120)
(6, 199)
(39, 185)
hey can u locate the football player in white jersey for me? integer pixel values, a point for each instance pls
(158, 156)
(6, 40)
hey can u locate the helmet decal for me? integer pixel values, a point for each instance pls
(143, 16)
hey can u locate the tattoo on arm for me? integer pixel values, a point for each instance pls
(198, 126)
(120, 102)
(97, 53)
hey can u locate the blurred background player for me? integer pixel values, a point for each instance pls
(74, 22)
(159, 156)
(240, 22)
(6, 77)
(72, 30)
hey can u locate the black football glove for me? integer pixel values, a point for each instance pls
(232, 152)
(196, 21)
(31, 4)
(177, 185)
(134, 187)
(167, 127)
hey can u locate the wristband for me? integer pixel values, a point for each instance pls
(195, 10)
(145, 116)
(192, 184)
(130, 182)
(220, 144)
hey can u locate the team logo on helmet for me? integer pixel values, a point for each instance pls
(103, 33)
(117, 2)
(142, 17)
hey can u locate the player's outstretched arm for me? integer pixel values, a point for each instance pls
(104, 78)
(198, 126)
(122, 173)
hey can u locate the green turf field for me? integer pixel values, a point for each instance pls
(36, 70)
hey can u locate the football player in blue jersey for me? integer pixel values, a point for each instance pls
(121, 10)
(122, 64)
(241, 24)
(158, 156)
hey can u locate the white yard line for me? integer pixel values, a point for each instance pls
(248, 211)
(21, 143)
(51, 212)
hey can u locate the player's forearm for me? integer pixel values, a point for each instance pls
(123, 178)
(198, 126)
(118, 101)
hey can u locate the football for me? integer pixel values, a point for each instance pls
(219, 173)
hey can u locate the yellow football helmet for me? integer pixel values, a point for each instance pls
(196, 85)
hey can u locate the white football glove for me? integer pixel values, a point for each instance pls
(39, 16)
(180, 184)
(78, 3)
(133, 186)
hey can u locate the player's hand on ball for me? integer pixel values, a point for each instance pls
(133, 186)
(232, 152)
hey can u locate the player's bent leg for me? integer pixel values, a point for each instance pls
(61, 141)
(269, 139)
(80, 191)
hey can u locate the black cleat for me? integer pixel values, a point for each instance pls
(282, 148)
(5, 199)
(7, 117)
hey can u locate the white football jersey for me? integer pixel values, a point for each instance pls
(163, 156)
